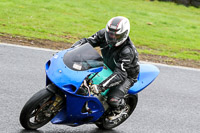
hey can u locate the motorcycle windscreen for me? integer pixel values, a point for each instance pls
(83, 58)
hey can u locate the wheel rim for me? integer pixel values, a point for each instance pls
(130, 106)
(112, 123)
(38, 115)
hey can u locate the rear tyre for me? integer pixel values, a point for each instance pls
(131, 102)
(38, 110)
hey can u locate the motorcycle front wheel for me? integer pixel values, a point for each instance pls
(39, 109)
(131, 102)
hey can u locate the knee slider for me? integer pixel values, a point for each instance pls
(115, 102)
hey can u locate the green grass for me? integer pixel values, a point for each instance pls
(175, 29)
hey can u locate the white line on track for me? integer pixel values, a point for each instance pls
(51, 50)
(29, 47)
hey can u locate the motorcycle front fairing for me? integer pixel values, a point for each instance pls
(67, 70)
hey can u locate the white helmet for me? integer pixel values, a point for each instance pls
(117, 31)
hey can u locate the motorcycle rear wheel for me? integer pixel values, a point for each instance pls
(35, 112)
(131, 102)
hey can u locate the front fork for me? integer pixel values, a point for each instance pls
(58, 99)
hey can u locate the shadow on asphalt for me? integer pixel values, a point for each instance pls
(30, 131)
(70, 131)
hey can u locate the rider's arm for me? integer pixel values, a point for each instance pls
(126, 57)
(94, 40)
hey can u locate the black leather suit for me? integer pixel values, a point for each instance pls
(122, 60)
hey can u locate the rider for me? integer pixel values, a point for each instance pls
(120, 55)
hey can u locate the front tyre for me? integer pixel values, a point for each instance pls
(104, 123)
(38, 110)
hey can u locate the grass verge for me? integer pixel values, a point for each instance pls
(157, 28)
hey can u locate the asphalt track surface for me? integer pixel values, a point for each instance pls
(171, 104)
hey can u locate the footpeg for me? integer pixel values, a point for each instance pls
(117, 116)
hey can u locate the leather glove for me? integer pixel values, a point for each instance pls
(79, 43)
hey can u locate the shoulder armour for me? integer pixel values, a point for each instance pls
(101, 33)
(126, 50)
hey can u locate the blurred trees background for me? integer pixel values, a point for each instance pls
(195, 3)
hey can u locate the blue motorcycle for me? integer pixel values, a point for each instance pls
(68, 97)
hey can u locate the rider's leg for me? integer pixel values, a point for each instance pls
(117, 93)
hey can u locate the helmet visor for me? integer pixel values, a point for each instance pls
(113, 38)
